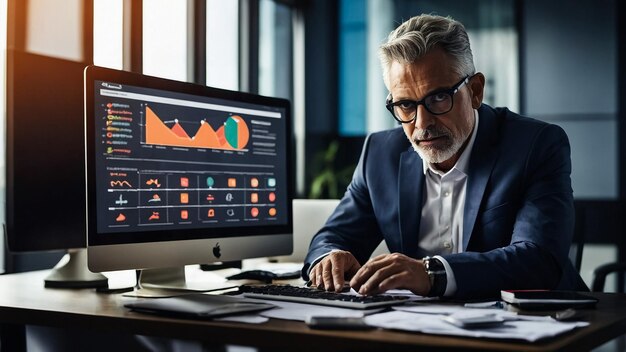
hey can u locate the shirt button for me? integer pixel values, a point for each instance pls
(446, 194)
(447, 244)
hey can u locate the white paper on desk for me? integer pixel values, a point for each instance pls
(280, 268)
(406, 293)
(301, 311)
(427, 308)
(529, 330)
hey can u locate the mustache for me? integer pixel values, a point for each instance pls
(429, 133)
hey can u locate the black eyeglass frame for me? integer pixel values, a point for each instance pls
(451, 92)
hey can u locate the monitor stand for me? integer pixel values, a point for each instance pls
(221, 265)
(74, 274)
(169, 282)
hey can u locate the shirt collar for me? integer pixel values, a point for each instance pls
(461, 164)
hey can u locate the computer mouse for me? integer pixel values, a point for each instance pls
(260, 275)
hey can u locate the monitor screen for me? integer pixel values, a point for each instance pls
(179, 173)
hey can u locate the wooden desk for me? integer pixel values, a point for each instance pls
(24, 301)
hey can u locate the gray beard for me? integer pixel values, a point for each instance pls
(436, 156)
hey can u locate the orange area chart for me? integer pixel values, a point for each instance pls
(232, 135)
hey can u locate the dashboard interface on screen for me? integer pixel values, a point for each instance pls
(166, 160)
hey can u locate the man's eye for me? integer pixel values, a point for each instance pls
(439, 97)
(406, 105)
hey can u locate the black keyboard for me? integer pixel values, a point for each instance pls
(317, 296)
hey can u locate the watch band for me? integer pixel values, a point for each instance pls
(437, 276)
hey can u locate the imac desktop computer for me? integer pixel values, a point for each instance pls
(45, 182)
(179, 173)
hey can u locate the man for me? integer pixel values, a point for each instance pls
(469, 199)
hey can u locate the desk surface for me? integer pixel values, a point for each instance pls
(24, 300)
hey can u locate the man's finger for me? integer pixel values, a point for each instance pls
(327, 277)
(337, 272)
(365, 272)
(371, 286)
(313, 275)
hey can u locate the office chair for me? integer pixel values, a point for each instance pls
(599, 279)
(605, 222)
(601, 272)
(578, 240)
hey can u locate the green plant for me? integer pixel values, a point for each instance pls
(329, 181)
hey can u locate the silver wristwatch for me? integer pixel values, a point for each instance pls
(437, 276)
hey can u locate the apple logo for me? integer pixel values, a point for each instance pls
(217, 251)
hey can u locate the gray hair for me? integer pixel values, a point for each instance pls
(418, 35)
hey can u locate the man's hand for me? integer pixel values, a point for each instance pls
(391, 271)
(330, 273)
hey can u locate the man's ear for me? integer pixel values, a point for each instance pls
(477, 88)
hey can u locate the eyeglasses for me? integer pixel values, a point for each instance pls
(436, 103)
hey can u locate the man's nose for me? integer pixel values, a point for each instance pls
(423, 118)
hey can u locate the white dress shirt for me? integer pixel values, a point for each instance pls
(441, 226)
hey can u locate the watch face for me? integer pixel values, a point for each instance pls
(426, 261)
(435, 265)
(436, 275)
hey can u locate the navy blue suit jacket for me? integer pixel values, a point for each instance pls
(518, 217)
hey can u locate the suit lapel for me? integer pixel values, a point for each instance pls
(410, 186)
(481, 163)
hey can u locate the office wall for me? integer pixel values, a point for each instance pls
(569, 75)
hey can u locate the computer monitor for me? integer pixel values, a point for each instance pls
(180, 173)
(45, 185)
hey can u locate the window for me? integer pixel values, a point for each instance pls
(275, 49)
(165, 39)
(55, 29)
(107, 33)
(222, 44)
(352, 71)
